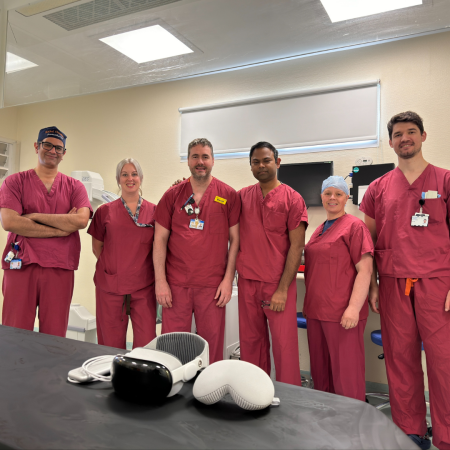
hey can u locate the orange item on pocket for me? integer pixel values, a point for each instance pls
(409, 284)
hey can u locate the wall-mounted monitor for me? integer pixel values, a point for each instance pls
(306, 179)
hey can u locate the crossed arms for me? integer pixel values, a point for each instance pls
(44, 225)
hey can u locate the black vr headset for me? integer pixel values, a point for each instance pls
(151, 373)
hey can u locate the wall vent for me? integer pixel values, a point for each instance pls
(100, 11)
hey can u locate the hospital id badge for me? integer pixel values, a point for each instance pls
(419, 220)
(15, 264)
(196, 224)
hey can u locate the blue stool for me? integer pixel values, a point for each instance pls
(377, 339)
(301, 323)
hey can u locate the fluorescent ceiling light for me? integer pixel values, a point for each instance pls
(147, 44)
(15, 63)
(339, 10)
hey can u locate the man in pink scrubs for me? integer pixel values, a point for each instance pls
(194, 268)
(272, 237)
(407, 212)
(43, 210)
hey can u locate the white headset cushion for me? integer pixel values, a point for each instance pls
(249, 386)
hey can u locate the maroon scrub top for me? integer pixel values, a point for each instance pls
(330, 271)
(25, 193)
(125, 264)
(403, 251)
(264, 231)
(197, 258)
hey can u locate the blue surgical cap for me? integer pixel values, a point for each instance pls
(336, 182)
(52, 132)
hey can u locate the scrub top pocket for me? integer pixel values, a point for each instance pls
(436, 208)
(218, 223)
(275, 222)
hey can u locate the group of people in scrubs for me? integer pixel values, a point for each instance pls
(184, 253)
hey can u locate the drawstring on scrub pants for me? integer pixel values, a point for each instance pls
(410, 284)
(126, 302)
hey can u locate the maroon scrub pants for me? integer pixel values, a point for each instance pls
(34, 286)
(406, 321)
(112, 318)
(254, 335)
(337, 358)
(209, 318)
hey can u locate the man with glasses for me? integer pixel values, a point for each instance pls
(43, 210)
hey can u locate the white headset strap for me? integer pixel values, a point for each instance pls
(188, 371)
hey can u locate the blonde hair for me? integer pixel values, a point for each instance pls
(135, 164)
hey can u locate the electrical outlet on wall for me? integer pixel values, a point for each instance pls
(364, 161)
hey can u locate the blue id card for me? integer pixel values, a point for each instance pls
(15, 264)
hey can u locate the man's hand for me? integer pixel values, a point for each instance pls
(447, 302)
(163, 294)
(373, 299)
(350, 318)
(278, 301)
(223, 293)
(178, 182)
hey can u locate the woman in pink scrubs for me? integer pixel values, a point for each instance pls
(122, 240)
(338, 267)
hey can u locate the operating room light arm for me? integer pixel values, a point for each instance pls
(74, 220)
(350, 318)
(294, 256)
(373, 289)
(13, 222)
(224, 291)
(162, 288)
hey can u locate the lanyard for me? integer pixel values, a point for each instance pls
(136, 216)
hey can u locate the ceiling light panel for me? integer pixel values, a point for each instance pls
(15, 63)
(147, 44)
(339, 10)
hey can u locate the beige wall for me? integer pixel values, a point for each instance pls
(8, 123)
(144, 123)
(8, 130)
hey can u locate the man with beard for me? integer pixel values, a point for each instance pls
(43, 210)
(194, 268)
(407, 212)
(272, 237)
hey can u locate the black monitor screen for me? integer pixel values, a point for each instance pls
(306, 178)
(364, 175)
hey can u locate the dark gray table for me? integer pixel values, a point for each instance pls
(39, 409)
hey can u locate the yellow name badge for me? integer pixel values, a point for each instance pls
(220, 200)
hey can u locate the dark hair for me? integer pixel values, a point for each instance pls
(200, 141)
(407, 116)
(263, 144)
